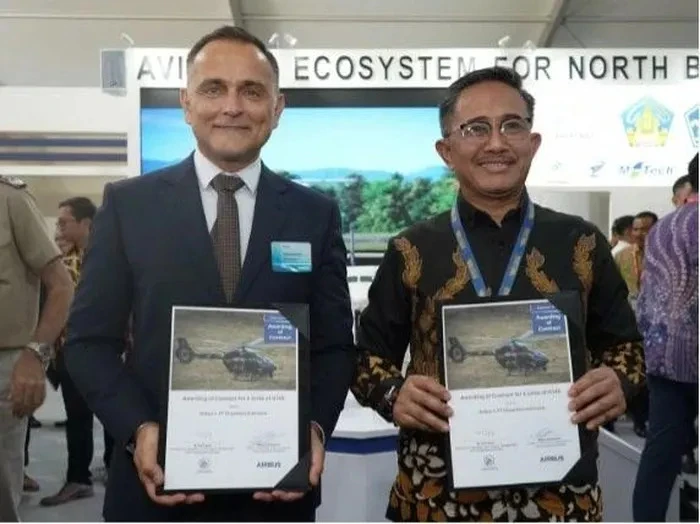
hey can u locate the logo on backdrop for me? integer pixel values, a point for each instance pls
(596, 168)
(692, 120)
(647, 123)
(644, 169)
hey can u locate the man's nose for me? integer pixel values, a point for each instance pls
(495, 141)
(232, 103)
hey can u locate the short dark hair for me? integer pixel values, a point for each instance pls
(648, 214)
(80, 207)
(693, 173)
(678, 184)
(234, 34)
(503, 75)
(622, 224)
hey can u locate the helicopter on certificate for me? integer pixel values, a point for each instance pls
(513, 355)
(244, 362)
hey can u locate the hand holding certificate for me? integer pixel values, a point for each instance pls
(597, 398)
(149, 471)
(422, 404)
(509, 367)
(318, 453)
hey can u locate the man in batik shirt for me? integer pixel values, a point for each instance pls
(72, 233)
(487, 141)
(630, 260)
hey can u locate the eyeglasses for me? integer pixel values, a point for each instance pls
(512, 128)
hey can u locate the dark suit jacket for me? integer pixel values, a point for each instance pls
(150, 249)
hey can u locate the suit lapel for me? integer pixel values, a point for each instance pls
(189, 227)
(268, 218)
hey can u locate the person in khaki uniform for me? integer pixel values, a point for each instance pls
(28, 258)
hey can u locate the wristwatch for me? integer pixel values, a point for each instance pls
(42, 350)
(385, 408)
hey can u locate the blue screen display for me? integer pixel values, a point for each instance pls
(318, 144)
(380, 163)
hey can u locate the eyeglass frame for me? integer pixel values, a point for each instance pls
(527, 128)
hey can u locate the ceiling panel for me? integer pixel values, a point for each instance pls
(659, 35)
(397, 35)
(504, 10)
(628, 9)
(121, 9)
(629, 23)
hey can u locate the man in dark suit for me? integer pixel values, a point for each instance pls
(200, 234)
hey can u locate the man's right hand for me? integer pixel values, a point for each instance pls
(150, 473)
(27, 385)
(422, 404)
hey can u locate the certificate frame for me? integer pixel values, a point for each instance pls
(295, 477)
(570, 304)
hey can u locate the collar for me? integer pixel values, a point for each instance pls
(206, 171)
(75, 252)
(471, 215)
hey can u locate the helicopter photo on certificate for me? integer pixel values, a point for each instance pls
(235, 414)
(508, 367)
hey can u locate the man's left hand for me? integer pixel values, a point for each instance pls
(318, 454)
(597, 398)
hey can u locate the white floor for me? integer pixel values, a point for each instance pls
(47, 456)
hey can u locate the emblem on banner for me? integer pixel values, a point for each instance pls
(647, 123)
(692, 120)
(648, 170)
(596, 168)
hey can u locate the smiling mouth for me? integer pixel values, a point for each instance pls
(235, 128)
(497, 166)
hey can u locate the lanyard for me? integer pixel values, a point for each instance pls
(515, 257)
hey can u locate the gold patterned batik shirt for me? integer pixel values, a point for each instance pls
(73, 260)
(422, 270)
(630, 262)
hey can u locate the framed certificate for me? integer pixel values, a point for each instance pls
(508, 366)
(238, 413)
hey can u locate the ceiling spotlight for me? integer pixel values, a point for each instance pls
(285, 40)
(290, 40)
(502, 42)
(126, 37)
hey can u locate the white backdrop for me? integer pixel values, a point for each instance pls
(594, 107)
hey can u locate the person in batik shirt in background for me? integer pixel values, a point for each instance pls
(667, 313)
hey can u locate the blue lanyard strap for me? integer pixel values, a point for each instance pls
(515, 257)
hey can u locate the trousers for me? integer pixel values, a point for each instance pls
(12, 433)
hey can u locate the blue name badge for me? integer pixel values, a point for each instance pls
(291, 257)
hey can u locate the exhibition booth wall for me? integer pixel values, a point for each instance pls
(618, 126)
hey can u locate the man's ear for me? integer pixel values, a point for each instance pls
(185, 103)
(280, 104)
(442, 146)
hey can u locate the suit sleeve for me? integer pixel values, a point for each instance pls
(611, 329)
(332, 348)
(96, 328)
(384, 332)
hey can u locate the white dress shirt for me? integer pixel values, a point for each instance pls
(245, 197)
